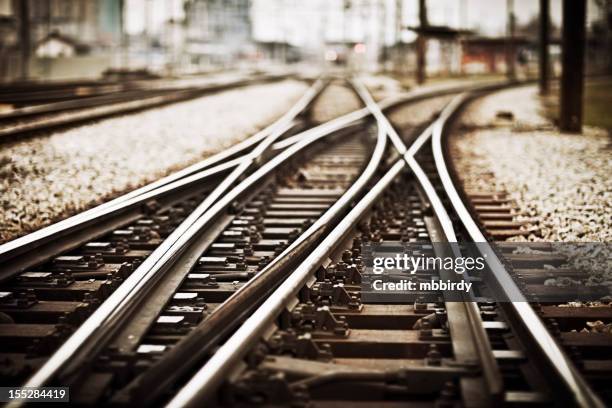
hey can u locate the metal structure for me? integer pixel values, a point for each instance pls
(37, 106)
(510, 46)
(421, 45)
(240, 280)
(269, 339)
(544, 64)
(572, 61)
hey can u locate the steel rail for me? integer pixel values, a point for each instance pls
(83, 101)
(380, 117)
(278, 262)
(45, 240)
(142, 274)
(96, 94)
(475, 330)
(240, 304)
(203, 385)
(113, 104)
(338, 122)
(520, 309)
(309, 137)
(408, 154)
(109, 218)
(104, 321)
(389, 103)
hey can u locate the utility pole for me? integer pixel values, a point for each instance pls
(572, 61)
(24, 37)
(544, 42)
(146, 33)
(421, 43)
(123, 36)
(346, 5)
(398, 36)
(464, 24)
(384, 54)
(510, 46)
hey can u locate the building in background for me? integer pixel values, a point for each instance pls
(218, 32)
(599, 40)
(57, 45)
(273, 29)
(57, 39)
(485, 55)
(9, 42)
(334, 32)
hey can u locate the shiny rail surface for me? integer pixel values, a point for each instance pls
(253, 296)
(204, 386)
(521, 312)
(274, 157)
(149, 217)
(188, 229)
(60, 237)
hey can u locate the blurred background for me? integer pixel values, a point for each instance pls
(70, 39)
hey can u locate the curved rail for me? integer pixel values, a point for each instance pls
(105, 320)
(520, 311)
(237, 305)
(205, 382)
(118, 101)
(203, 341)
(60, 236)
(203, 385)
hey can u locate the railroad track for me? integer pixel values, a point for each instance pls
(252, 292)
(49, 106)
(313, 343)
(23, 94)
(55, 279)
(570, 299)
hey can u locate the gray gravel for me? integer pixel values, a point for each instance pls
(382, 86)
(336, 100)
(46, 179)
(523, 102)
(561, 182)
(410, 116)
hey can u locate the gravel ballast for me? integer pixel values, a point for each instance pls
(45, 179)
(560, 182)
(382, 86)
(409, 117)
(335, 100)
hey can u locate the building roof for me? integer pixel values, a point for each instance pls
(348, 43)
(79, 46)
(442, 32)
(495, 41)
(272, 42)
